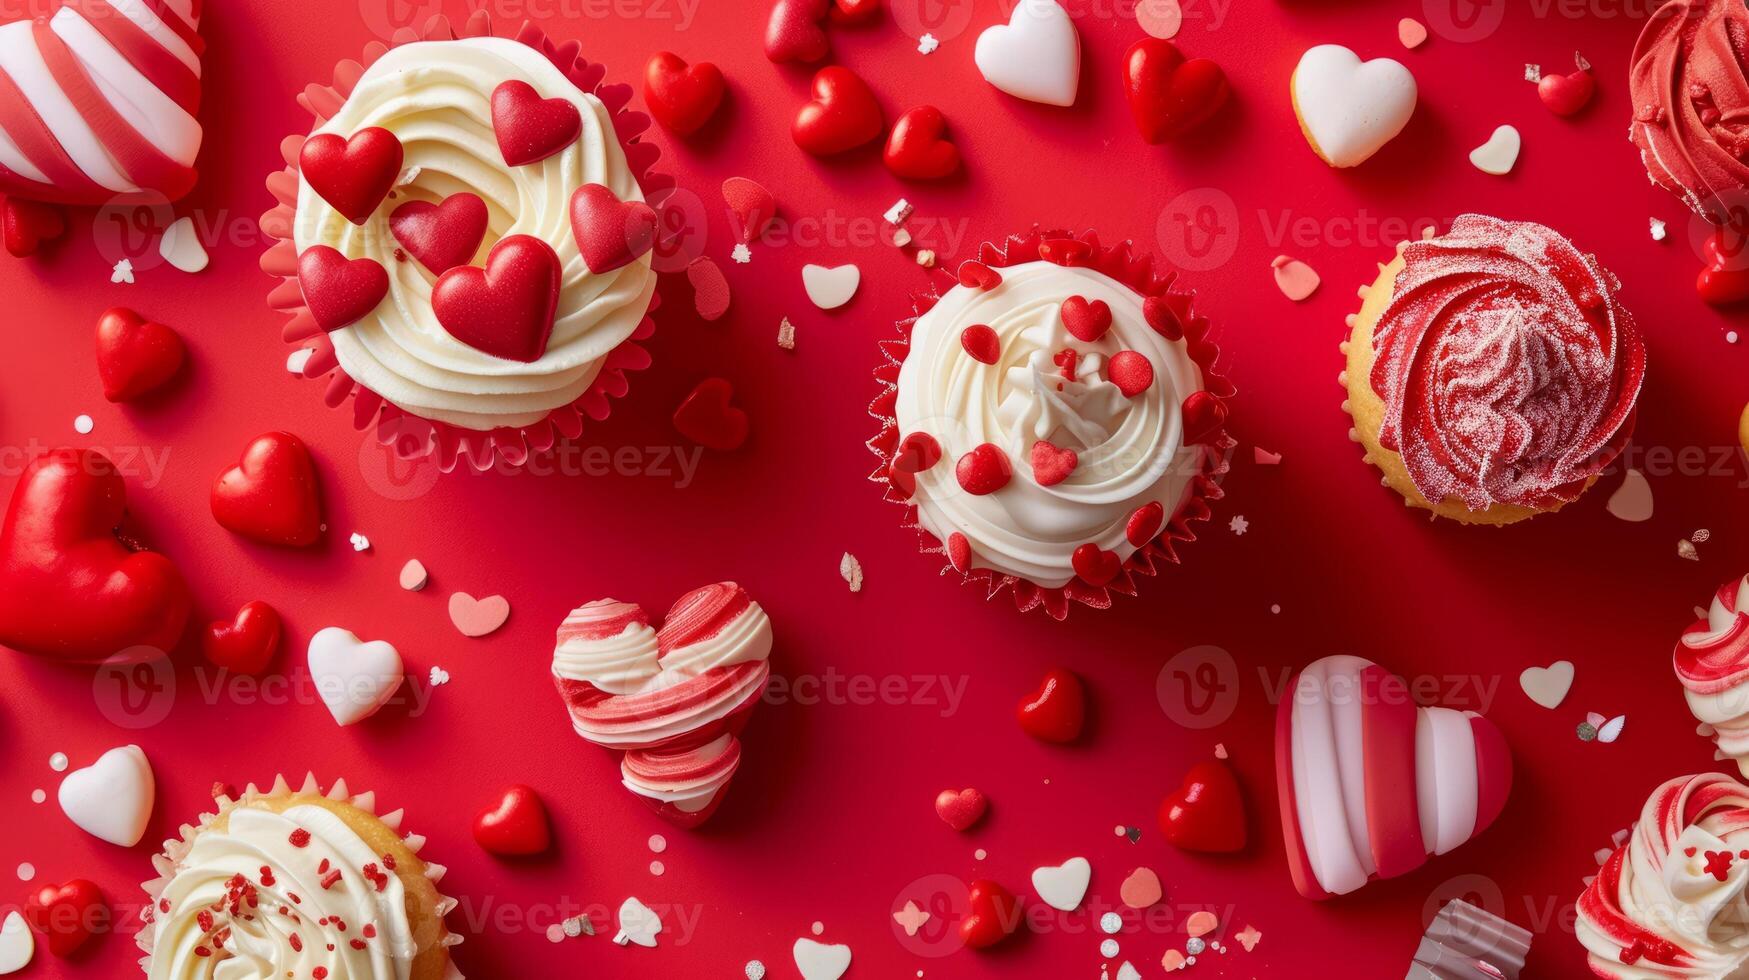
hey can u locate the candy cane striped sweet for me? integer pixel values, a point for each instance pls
(674, 698)
(98, 102)
(1712, 662)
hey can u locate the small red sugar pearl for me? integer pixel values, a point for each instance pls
(300, 838)
(320, 972)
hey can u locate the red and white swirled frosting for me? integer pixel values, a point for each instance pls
(1670, 902)
(673, 698)
(1712, 662)
(1508, 370)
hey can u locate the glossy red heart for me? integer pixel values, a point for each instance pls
(340, 291)
(1204, 415)
(976, 275)
(1095, 565)
(917, 453)
(529, 128)
(353, 175)
(959, 552)
(1131, 371)
(441, 236)
(841, 116)
(68, 915)
(1144, 523)
(1051, 465)
(961, 808)
(793, 32)
(1566, 94)
(27, 225)
(981, 343)
(506, 309)
(514, 824)
(992, 915)
(852, 13)
(271, 496)
(1170, 95)
(918, 147)
(1725, 279)
(1057, 711)
(1086, 321)
(246, 643)
(984, 470)
(1208, 811)
(708, 416)
(135, 356)
(610, 233)
(682, 98)
(69, 587)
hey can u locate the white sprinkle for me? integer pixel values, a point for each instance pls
(1659, 232)
(819, 927)
(555, 933)
(58, 762)
(980, 854)
(786, 334)
(1730, 336)
(123, 272)
(181, 246)
(899, 213)
(38, 796)
(1111, 923)
(1533, 73)
(298, 360)
(1701, 536)
(1276, 609)
(1239, 525)
(658, 869)
(1108, 948)
(573, 926)
(851, 571)
(927, 45)
(83, 425)
(408, 176)
(755, 970)
(1686, 549)
(658, 843)
(926, 258)
(26, 871)
(742, 253)
(359, 542)
(439, 677)
(901, 238)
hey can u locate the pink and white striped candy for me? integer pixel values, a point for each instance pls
(673, 698)
(1371, 784)
(1712, 662)
(98, 102)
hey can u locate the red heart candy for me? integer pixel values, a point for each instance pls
(1095, 565)
(1725, 279)
(976, 275)
(340, 291)
(1087, 322)
(1164, 315)
(246, 643)
(68, 915)
(135, 356)
(1065, 251)
(1208, 811)
(753, 205)
(441, 236)
(981, 343)
(1144, 523)
(960, 809)
(794, 33)
(1131, 371)
(514, 825)
(505, 309)
(917, 452)
(984, 470)
(842, 115)
(709, 418)
(959, 552)
(1056, 711)
(918, 147)
(682, 98)
(993, 914)
(69, 587)
(530, 128)
(1566, 94)
(855, 12)
(1050, 465)
(1169, 95)
(1066, 359)
(1204, 415)
(354, 175)
(610, 233)
(270, 496)
(26, 225)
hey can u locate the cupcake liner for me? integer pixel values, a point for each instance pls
(176, 848)
(1140, 274)
(412, 436)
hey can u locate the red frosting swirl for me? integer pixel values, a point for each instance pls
(1691, 101)
(1508, 370)
(1713, 654)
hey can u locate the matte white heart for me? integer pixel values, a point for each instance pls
(1499, 154)
(353, 678)
(1063, 886)
(818, 961)
(16, 944)
(1548, 686)
(1350, 109)
(830, 287)
(1036, 56)
(112, 798)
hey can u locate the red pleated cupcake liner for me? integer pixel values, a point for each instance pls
(1139, 273)
(412, 436)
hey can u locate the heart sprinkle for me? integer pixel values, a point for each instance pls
(851, 571)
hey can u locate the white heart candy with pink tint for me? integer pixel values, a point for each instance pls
(353, 678)
(1548, 686)
(16, 944)
(818, 961)
(1499, 154)
(112, 798)
(478, 617)
(1064, 886)
(1036, 56)
(1350, 109)
(637, 924)
(830, 287)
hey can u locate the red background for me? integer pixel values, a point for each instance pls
(830, 818)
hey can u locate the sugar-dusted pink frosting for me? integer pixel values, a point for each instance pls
(1691, 101)
(1508, 369)
(1712, 662)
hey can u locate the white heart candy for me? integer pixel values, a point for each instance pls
(181, 246)
(1036, 56)
(1548, 686)
(112, 798)
(818, 961)
(832, 287)
(1349, 109)
(16, 944)
(637, 924)
(1499, 154)
(1128, 972)
(1064, 886)
(354, 679)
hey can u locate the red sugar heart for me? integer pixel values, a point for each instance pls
(271, 495)
(1086, 321)
(353, 175)
(753, 205)
(506, 309)
(852, 13)
(1204, 415)
(529, 128)
(709, 418)
(1065, 251)
(984, 470)
(682, 98)
(1208, 812)
(917, 453)
(1050, 465)
(27, 225)
(246, 643)
(1144, 523)
(842, 115)
(959, 552)
(960, 809)
(710, 288)
(993, 914)
(514, 824)
(1725, 279)
(1131, 371)
(1066, 359)
(135, 356)
(1162, 313)
(610, 233)
(340, 291)
(1169, 96)
(1095, 565)
(1566, 94)
(981, 343)
(976, 275)
(68, 915)
(1056, 711)
(441, 236)
(918, 147)
(793, 33)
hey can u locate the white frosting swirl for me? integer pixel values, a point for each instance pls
(1131, 450)
(247, 901)
(436, 97)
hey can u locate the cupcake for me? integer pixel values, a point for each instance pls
(1052, 420)
(1712, 662)
(1689, 96)
(297, 883)
(465, 242)
(1492, 374)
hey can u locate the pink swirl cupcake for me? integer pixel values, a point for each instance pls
(1690, 94)
(1491, 372)
(1669, 903)
(1712, 662)
(465, 241)
(674, 699)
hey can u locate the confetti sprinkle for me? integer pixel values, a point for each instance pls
(1263, 457)
(1730, 336)
(1108, 948)
(755, 970)
(1141, 889)
(786, 334)
(1586, 732)
(899, 213)
(658, 843)
(58, 762)
(980, 854)
(910, 918)
(1632, 501)
(1533, 73)
(1276, 609)
(926, 258)
(38, 796)
(658, 869)
(122, 273)
(1160, 18)
(298, 360)
(1686, 549)
(901, 238)
(1659, 232)
(1220, 750)
(555, 933)
(1296, 280)
(1607, 731)
(1500, 154)
(1134, 834)
(927, 44)
(1411, 32)
(1111, 923)
(851, 571)
(414, 576)
(1701, 536)
(26, 871)
(1173, 961)
(1201, 923)
(83, 425)
(742, 253)
(359, 542)
(439, 677)
(1195, 946)
(1239, 525)
(818, 928)
(1249, 937)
